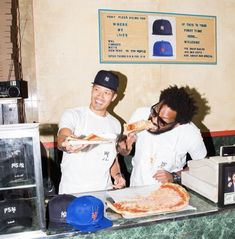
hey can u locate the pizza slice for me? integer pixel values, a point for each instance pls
(90, 137)
(137, 126)
(170, 197)
(93, 137)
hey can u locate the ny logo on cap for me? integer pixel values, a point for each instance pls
(162, 28)
(94, 213)
(106, 78)
(63, 214)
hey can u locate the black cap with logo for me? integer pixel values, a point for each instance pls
(107, 79)
(57, 207)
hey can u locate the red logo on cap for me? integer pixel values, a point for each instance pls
(94, 214)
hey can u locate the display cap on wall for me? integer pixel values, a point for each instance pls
(162, 48)
(162, 27)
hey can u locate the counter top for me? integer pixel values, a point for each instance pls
(203, 207)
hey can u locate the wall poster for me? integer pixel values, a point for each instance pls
(151, 37)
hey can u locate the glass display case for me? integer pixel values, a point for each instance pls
(22, 206)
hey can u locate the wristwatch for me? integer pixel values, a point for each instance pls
(176, 178)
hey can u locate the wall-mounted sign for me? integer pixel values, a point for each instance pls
(149, 37)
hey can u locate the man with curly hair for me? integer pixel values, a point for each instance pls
(161, 152)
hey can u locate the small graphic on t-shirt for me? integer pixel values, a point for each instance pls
(163, 164)
(106, 156)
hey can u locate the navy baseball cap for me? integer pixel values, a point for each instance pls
(162, 27)
(15, 215)
(107, 79)
(57, 209)
(162, 48)
(86, 213)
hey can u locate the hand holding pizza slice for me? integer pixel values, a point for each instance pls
(75, 144)
(137, 126)
(90, 137)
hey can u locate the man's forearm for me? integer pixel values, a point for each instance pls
(115, 169)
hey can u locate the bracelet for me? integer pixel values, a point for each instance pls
(176, 177)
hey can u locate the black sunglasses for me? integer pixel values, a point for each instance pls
(160, 121)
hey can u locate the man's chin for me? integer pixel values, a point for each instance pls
(158, 131)
(154, 132)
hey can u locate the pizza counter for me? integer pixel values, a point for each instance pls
(202, 219)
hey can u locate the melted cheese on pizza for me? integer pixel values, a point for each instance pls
(169, 197)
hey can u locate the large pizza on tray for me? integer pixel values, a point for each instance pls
(169, 197)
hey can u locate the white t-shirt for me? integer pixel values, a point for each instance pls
(88, 170)
(164, 151)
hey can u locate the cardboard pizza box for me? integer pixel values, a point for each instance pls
(204, 188)
(207, 169)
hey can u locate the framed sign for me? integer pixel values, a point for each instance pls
(153, 37)
(226, 192)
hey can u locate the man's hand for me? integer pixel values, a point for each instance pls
(68, 148)
(119, 181)
(163, 176)
(125, 143)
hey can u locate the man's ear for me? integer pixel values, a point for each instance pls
(114, 97)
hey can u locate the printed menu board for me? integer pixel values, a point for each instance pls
(149, 37)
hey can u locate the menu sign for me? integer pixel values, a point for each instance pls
(147, 37)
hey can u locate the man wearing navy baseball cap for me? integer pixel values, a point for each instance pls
(107, 79)
(89, 167)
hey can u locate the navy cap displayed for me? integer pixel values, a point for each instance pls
(86, 213)
(57, 209)
(162, 27)
(162, 48)
(15, 215)
(107, 79)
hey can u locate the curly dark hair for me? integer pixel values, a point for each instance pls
(180, 101)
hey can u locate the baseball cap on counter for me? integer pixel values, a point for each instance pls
(86, 213)
(15, 215)
(57, 207)
(162, 27)
(107, 79)
(162, 48)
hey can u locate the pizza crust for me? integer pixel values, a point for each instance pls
(137, 126)
(170, 197)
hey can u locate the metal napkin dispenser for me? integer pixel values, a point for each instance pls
(209, 177)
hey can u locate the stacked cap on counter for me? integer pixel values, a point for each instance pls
(85, 213)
